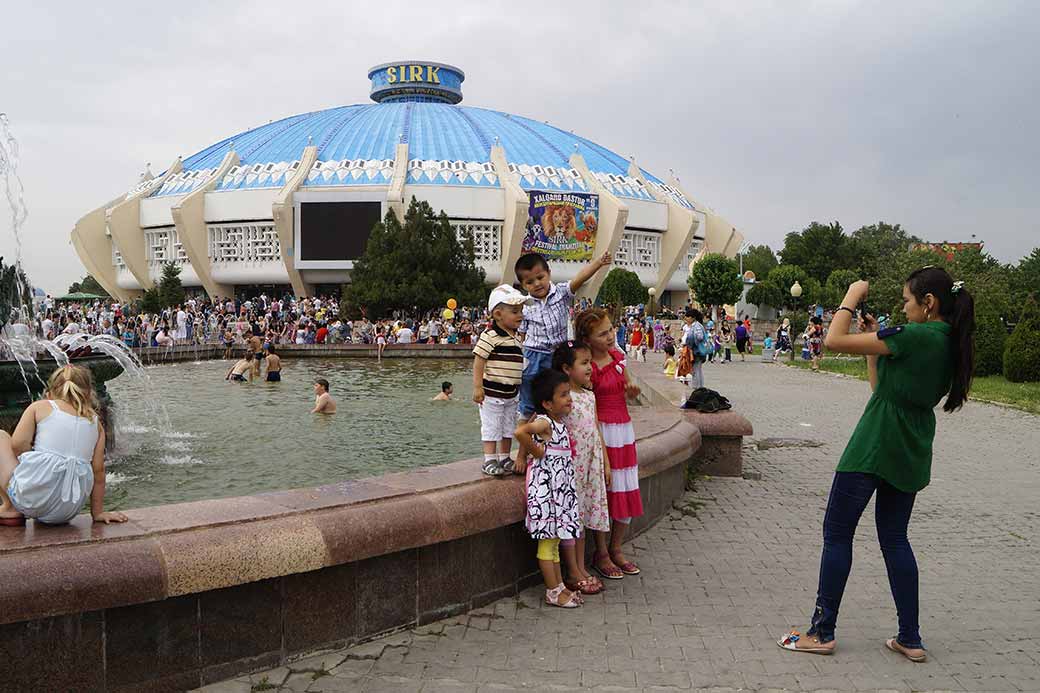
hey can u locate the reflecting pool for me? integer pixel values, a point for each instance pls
(231, 439)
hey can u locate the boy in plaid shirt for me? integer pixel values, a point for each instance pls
(545, 321)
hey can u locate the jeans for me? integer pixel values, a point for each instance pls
(850, 493)
(534, 362)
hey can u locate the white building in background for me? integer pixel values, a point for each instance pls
(290, 205)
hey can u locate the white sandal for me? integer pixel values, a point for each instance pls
(790, 642)
(552, 598)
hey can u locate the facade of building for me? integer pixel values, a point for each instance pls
(291, 204)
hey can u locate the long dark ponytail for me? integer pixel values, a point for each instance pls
(957, 307)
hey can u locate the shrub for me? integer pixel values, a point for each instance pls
(990, 339)
(1022, 349)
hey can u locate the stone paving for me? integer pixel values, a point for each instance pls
(736, 563)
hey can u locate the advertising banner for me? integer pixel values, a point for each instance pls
(562, 225)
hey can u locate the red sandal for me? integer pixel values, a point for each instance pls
(611, 573)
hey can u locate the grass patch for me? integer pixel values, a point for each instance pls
(990, 388)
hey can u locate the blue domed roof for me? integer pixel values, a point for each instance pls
(447, 145)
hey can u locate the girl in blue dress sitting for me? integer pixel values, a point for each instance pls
(56, 458)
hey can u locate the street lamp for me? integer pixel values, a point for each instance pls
(653, 292)
(796, 293)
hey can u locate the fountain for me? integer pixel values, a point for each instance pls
(25, 360)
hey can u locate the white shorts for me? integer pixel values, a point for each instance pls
(497, 418)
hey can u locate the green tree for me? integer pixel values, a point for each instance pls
(715, 281)
(886, 290)
(150, 302)
(171, 292)
(419, 264)
(873, 247)
(1025, 279)
(1022, 350)
(622, 288)
(88, 285)
(15, 291)
(765, 293)
(761, 260)
(784, 277)
(819, 249)
(837, 284)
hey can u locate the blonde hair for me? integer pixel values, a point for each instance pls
(75, 386)
(585, 322)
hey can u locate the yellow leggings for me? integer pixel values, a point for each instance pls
(549, 550)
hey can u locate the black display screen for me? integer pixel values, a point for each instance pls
(336, 230)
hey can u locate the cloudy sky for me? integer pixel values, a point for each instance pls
(774, 113)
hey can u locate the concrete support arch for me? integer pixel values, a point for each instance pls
(282, 213)
(94, 248)
(514, 214)
(189, 218)
(682, 227)
(720, 236)
(124, 223)
(613, 215)
(395, 195)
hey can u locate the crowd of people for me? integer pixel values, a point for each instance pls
(276, 320)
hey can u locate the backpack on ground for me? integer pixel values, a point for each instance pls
(706, 401)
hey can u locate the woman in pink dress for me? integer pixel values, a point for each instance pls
(611, 385)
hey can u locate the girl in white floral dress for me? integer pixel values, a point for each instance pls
(591, 473)
(552, 502)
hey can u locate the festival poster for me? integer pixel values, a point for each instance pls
(562, 225)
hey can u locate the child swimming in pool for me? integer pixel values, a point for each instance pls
(56, 458)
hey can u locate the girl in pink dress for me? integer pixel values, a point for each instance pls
(611, 385)
(591, 472)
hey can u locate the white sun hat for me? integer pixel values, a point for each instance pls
(504, 293)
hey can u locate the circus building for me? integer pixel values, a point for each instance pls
(290, 204)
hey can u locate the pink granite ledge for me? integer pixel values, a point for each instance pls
(187, 548)
(725, 424)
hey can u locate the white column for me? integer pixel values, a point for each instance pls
(682, 227)
(282, 211)
(395, 195)
(124, 223)
(515, 214)
(189, 218)
(94, 248)
(613, 215)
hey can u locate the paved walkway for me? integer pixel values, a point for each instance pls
(736, 563)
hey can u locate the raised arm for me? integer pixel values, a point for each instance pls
(588, 271)
(524, 436)
(838, 337)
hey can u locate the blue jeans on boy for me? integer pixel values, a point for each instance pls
(850, 493)
(534, 362)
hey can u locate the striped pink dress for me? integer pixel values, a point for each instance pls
(608, 384)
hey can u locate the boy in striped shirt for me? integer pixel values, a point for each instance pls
(498, 364)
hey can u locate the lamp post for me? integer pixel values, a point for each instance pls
(796, 293)
(652, 292)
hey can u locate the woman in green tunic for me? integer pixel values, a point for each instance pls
(911, 368)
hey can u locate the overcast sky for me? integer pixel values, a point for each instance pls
(775, 114)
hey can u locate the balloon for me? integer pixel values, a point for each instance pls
(452, 305)
(448, 314)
